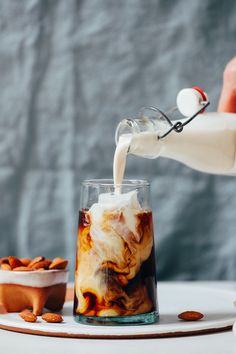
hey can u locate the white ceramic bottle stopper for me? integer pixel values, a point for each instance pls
(190, 100)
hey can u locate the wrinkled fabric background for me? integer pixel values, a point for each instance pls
(69, 71)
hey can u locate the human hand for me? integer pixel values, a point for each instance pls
(227, 102)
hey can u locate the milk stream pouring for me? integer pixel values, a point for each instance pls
(206, 143)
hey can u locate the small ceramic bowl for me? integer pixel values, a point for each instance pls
(32, 289)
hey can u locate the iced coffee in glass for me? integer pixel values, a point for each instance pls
(115, 276)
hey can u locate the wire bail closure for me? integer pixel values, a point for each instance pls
(178, 126)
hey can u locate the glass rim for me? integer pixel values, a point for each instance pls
(110, 182)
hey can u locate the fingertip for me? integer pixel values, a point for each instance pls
(229, 75)
(227, 102)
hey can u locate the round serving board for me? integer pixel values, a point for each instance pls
(174, 298)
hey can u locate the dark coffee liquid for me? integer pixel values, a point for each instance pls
(108, 285)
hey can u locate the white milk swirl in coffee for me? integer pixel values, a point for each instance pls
(207, 144)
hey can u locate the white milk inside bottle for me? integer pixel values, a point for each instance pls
(207, 143)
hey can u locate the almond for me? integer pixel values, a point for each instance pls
(5, 266)
(36, 260)
(22, 269)
(14, 262)
(42, 264)
(28, 316)
(25, 261)
(52, 317)
(4, 260)
(58, 263)
(190, 316)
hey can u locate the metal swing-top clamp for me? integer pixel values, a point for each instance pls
(190, 103)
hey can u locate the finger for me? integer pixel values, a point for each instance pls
(227, 102)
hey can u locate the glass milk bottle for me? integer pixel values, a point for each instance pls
(205, 141)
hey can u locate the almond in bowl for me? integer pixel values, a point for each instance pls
(35, 284)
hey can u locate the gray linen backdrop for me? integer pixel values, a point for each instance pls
(69, 71)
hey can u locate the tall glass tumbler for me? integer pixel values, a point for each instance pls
(115, 276)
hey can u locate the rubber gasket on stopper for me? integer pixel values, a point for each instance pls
(202, 93)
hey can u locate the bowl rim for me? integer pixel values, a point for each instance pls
(46, 271)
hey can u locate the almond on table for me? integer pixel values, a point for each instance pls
(52, 317)
(28, 316)
(191, 316)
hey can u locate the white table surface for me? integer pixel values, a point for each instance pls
(222, 343)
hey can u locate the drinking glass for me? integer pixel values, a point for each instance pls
(115, 275)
